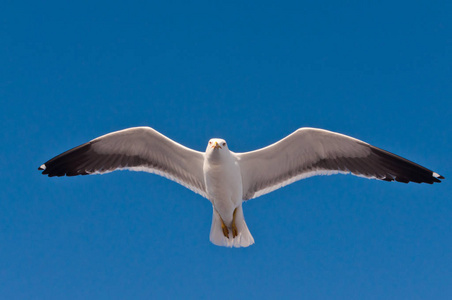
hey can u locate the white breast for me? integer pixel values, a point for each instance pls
(223, 184)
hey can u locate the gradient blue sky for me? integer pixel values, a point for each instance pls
(251, 73)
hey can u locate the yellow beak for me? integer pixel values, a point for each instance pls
(216, 146)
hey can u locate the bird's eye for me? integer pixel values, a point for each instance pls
(210, 143)
(224, 144)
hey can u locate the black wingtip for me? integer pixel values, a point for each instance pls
(404, 170)
(437, 176)
(42, 167)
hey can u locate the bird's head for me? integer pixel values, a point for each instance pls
(217, 147)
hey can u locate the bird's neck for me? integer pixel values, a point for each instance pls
(217, 158)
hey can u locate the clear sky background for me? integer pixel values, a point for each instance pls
(250, 73)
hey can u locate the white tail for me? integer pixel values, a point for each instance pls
(244, 237)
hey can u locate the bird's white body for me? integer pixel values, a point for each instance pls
(227, 178)
(224, 189)
(223, 183)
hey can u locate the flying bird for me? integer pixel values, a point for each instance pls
(226, 178)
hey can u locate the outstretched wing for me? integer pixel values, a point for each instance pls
(309, 151)
(137, 149)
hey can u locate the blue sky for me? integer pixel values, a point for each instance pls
(250, 73)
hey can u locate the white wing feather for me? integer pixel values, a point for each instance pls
(309, 151)
(137, 149)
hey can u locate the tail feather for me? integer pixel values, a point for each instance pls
(244, 237)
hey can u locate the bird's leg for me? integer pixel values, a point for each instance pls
(234, 227)
(225, 228)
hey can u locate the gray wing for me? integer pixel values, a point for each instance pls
(137, 149)
(309, 152)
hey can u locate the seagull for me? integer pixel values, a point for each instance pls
(226, 178)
